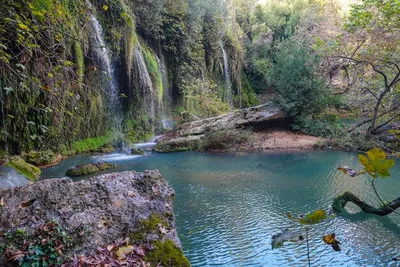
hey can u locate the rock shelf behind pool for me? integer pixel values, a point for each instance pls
(87, 169)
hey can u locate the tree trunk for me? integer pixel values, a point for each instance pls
(376, 110)
(340, 202)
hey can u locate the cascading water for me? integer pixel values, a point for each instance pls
(3, 118)
(228, 89)
(145, 84)
(165, 105)
(103, 56)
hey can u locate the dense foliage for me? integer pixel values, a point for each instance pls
(316, 59)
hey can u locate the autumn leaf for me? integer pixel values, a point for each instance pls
(331, 240)
(27, 204)
(279, 239)
(314, 217)
(2, 202)
(123, 251)
(376, 163)
(156, 189)
(162, 229)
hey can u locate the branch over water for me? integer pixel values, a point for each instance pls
(340, 202)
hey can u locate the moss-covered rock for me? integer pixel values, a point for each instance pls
(26, 169)
(87, 169)
(106, 149)
(167, 254)
(148, 226)
(42, 158)
(137, 151)
(179, 144)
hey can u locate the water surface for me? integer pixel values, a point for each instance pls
(228, 206)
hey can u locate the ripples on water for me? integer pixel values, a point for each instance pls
(228, 206)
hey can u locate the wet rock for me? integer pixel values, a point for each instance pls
(137, 151)
(87, 169)
(179, 144)
(110, 207)
(106, 149)
(26, 169)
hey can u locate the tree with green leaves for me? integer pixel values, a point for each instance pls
(369, 49)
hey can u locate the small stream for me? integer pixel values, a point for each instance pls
(229, 205)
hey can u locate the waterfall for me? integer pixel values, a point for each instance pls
(228, 89)
(10, 178)
(166, 103)
(145, 84)
(103, 55)
(3, 118)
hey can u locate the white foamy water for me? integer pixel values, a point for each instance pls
(10, 178)
(115, 157)
(228, 92)
(104, 56)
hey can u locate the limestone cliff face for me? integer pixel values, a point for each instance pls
(109, 207)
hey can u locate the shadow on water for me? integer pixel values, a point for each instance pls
(385, 221)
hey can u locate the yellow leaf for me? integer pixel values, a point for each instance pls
(123, 251)
(376, 164)
(314, 217)
(105, 7)
(2, 202)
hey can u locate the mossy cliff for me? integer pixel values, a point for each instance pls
(55, 86)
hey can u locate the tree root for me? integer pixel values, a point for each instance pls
(340, 202)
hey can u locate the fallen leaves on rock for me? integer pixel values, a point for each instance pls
(162, 229)
(122, 252)
(156, 189)
(27, 204)
(116, 254)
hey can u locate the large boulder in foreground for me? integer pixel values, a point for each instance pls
(129, 206)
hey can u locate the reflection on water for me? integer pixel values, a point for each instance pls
(228, 206)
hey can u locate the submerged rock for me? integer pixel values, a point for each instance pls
(26, 169)
(86, 169)
(104, 209)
